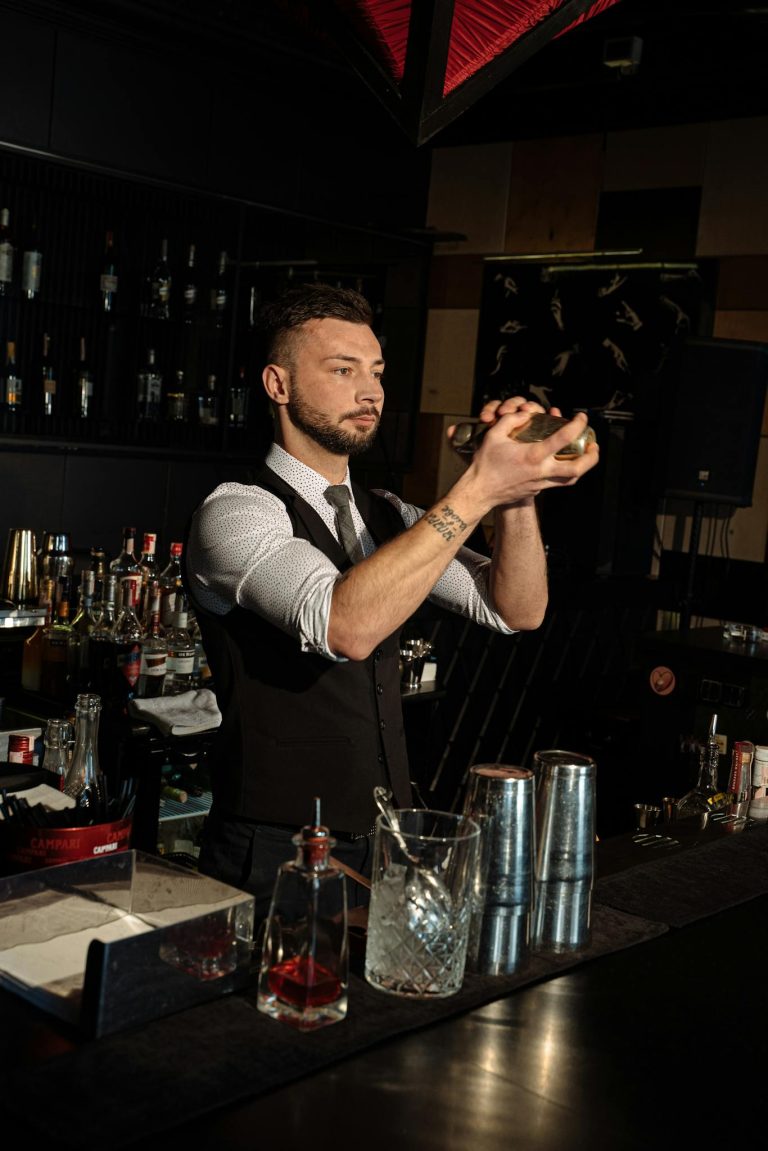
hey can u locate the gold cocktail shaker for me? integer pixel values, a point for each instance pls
(468, 436)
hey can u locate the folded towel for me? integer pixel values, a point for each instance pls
(183, 714)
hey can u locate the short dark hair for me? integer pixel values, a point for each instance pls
(296, 306)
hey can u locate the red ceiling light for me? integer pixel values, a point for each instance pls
(428, 60)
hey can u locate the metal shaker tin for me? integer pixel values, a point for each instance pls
(468, 436)
(500, 799)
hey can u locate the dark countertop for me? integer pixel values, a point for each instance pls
(599, 1056)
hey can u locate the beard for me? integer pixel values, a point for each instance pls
(328, 435)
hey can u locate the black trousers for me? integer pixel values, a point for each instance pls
(248, 855)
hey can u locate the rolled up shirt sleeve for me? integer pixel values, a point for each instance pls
(242, 552)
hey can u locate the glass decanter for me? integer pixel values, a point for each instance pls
(304, 965)
(706, 796)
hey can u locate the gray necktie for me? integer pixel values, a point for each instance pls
(338, 495)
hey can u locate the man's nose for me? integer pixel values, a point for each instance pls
(370, 389)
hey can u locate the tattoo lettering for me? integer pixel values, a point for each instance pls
(446, 522)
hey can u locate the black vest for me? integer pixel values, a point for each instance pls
(296, 725)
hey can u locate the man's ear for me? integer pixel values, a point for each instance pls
(275, 383)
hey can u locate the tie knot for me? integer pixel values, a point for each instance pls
(338, 495)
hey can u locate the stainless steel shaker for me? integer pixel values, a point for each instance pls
(20, 568)
(565, 850)
(500, 799)
(468, 436)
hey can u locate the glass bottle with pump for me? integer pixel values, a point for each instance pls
(85, 780)
(304, 965)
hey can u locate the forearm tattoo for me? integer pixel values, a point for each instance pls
(446, 522)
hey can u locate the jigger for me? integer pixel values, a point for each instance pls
(20, 568)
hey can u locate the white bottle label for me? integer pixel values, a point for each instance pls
(6, 262)
(181, 662)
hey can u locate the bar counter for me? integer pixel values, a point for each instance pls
(655, 1035)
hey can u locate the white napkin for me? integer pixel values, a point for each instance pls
(183, 714)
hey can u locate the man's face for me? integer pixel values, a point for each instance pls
(336, 393)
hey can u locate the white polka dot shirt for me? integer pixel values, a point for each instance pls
(242, 551)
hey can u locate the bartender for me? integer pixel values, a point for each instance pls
(300, 596)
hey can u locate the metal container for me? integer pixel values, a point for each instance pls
(468, 436)
(20, 568)
(500, 799)
(565, 850)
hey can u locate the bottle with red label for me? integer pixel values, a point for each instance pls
(170, 583)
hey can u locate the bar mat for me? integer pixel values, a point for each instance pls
(124, 1087)
(680, 888)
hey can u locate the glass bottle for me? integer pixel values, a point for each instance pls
(304, 964)
(149, 389)
(13, 390)
(82, 625)
(160, 286)
(190, 287)
(180, 666)
(57, 654)
(208, 404)
(237, 414)
(84, 781)
(176, 401)
(149, 572)
(47, 378)
(6, 253)
(171, 582)
(101, 652)
(83, 385)
(31, 660)
(31, 266)
(125, 565)
(220, 290)
(154, 651)
(127, 634)
(706, 796)
(56, 755)
(108, 278)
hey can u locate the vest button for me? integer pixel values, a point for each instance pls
(382, 724)
(380, 688)
(378, 654)
(380, 757)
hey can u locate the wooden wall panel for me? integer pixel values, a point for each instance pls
(734, 207)
(670, 157)
(449, 360)
(468, 194)
(554, 191)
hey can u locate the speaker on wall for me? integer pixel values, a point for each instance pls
(710, 427)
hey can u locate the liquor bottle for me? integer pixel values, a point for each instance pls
(101, 654)
(171, 582)
(56, 755)
(149, 572)
(237, 408)
(83, 385)
(202, 670)
(160, 286)
(7, 251)
(706, 796)
(84, 781)
(125, 565)
(13, 389)
(127, 634)
(149, 391)
(47, 378)
(190, 287)
(31, 266)
(208, 404)
(57, 653)
(108, 278)
(304, 972)
(180, 667)
(220, 290)
(176, 401)
(82, 625)
(154, 651)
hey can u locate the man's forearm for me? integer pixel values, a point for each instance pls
(518, 576)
